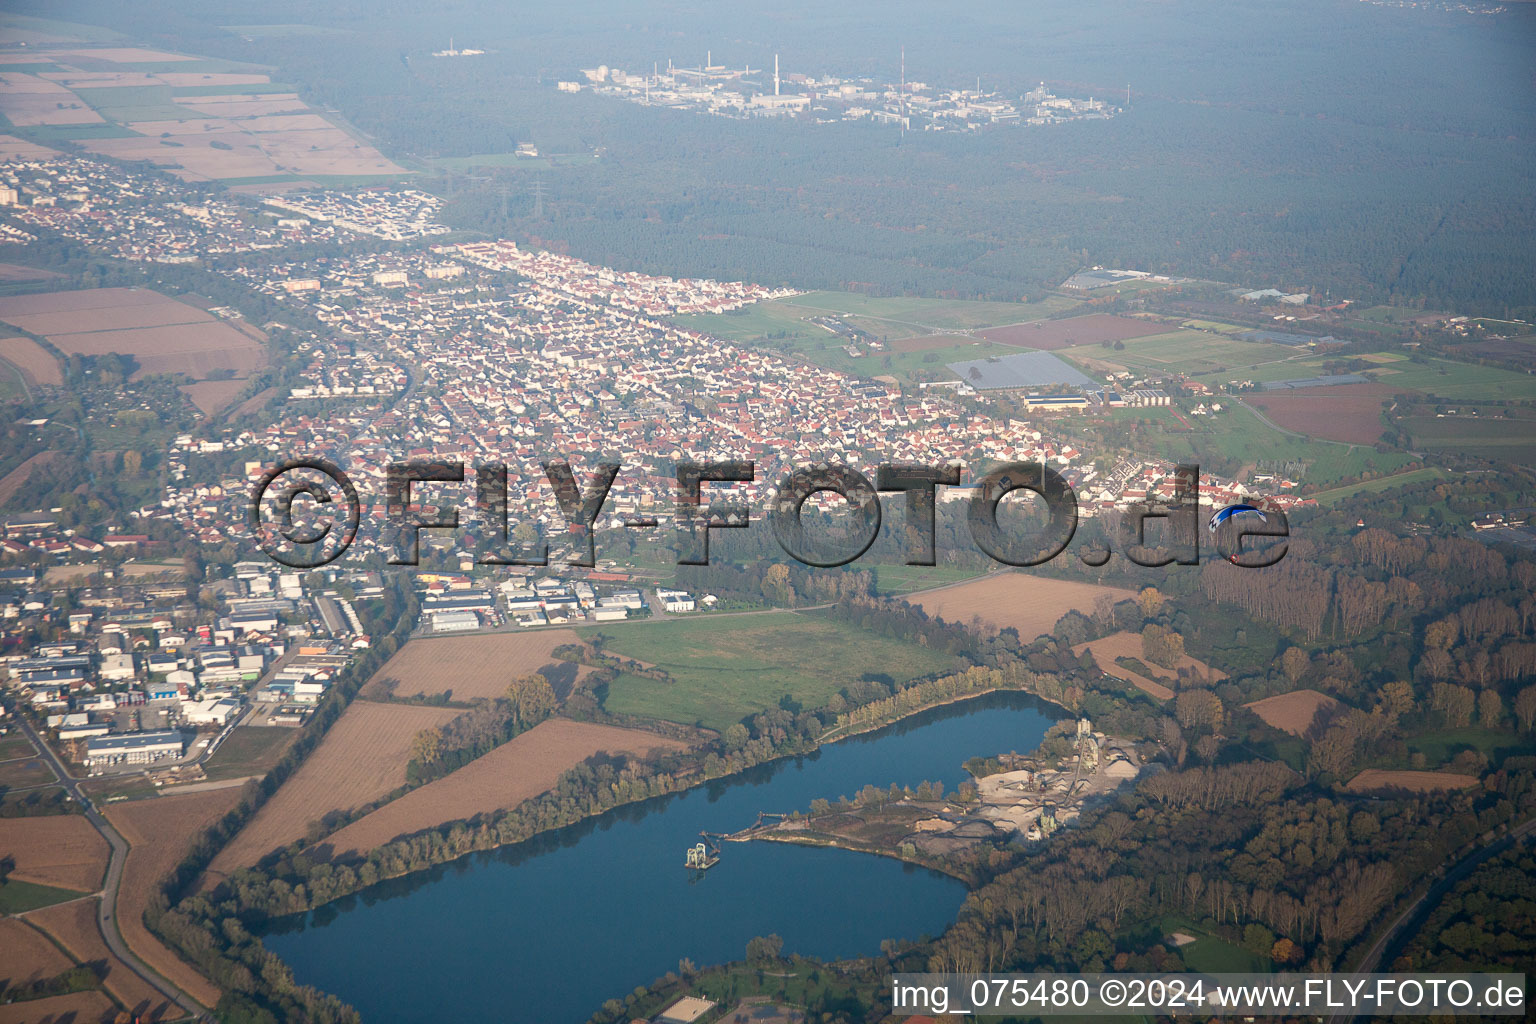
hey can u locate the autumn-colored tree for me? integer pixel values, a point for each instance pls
(1490, 709)
(1442, 635)
(1161, 646)
(532, 698)
(1397, 697)
(1197, 709)
(1285, 951)
(1294, 663)
(1525, 707)
(1150, 600)
(427, 746)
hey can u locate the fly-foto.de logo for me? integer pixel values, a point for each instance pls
(333, 512)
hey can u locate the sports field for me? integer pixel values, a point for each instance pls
(727, 667)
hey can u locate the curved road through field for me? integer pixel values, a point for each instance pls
(106, 911)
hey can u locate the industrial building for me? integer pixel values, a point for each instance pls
(455, 622)
(135, 748)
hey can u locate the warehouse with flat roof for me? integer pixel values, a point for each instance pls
(134, 748)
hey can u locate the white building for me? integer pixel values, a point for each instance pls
(133, 748)
(454, 622)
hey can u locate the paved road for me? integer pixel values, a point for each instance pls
(106, 911)
(1421, 907)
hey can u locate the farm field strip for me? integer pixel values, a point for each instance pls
(362, 758)
(62, 850)
(74, 926)
(160, 831)
(524, 767)
(470, 666)
(1030, 604)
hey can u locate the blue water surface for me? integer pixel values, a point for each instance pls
(547, 930)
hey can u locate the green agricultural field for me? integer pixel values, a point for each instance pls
(1237, 434)
(1196, 353)
(784, 324)
(84, 33)
(928, 314)
(1386, 483)
(1489, 437)
(191, 91)
(17, 897)
(729, 666)
(1446, 379)
(903, 579)
(15, 745)
(127, 104)
(1440, 747)
(1387, 314)
(19, 774)
(249, 750)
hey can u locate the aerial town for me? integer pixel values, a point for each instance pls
(746, 92)
(585, 364)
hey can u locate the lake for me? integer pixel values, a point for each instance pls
(547, 930)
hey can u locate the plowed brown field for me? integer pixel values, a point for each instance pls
(73, 926)
(515, 771)
(362, 758)
(470, 666)
(1295, 712)
(1030, 604)
(160, 831)
(61, 850)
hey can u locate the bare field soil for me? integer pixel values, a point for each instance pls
(110, 54)
(73, 926)
(29, 956)
(17, 272)
(12, 148)
(212, 396)
(12, 483)
(159, 832)
(108, 319)
(60, 850)
(516, 771)
(1077, 330)
(194, 349)
(304, 151)
(164, 335)
(470, 666)
(1296, 712)
(362, 758)
(75, 1008)
(1377, 779)
(1107, 649)
(35, 362)
(1030, 604)
(27, 100)
(1343, 412)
